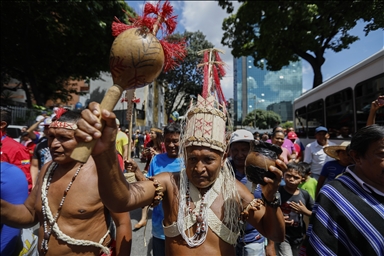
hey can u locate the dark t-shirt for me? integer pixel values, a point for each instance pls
(295, 233)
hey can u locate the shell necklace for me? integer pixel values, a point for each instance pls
(201, 218)
(48, 218)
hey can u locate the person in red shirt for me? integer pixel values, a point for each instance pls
(12, 151)
(27, 142)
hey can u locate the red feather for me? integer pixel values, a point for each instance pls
(220, 67)
(150, 8)
(206, 76)
(174, 53)
(136, 100)
(59, 112)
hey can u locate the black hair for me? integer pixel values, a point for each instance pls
(364, 137)
(297, 167)
(277, 126)
(306, 166)
(172, 128)
(24, 134)
(6, 116)
(70, 116)
(275, 132)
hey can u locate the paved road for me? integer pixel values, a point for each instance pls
(138, 248)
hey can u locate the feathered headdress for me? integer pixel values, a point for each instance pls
(206, 121)
(157, 17)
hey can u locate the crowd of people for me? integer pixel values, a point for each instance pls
(325, 199)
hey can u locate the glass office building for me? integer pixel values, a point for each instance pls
(256, 88)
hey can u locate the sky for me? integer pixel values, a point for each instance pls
(207, 17)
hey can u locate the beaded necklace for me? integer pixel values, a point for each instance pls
(45, 207)
(201, 218)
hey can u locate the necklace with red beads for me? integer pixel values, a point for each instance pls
(47, 215)
(201, 216)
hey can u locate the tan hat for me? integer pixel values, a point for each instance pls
(332, 150)
(154, 129)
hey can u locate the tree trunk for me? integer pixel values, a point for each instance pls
(316, 63)
(317, 75)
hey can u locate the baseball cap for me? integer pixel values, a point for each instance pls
(321, 129)
(39, 118)
(241, 135)
(47, 121)
(292, 135)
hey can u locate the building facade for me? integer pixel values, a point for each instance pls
(256, 88)
(148, 112)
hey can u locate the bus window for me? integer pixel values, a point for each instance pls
(366, 92)
(301, 122)
(315, 115)
(339, 114)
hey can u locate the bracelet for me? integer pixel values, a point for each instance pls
(255, 203)
(158, 192)
(274, 203)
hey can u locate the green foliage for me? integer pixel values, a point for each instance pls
(287, 124)
(45, 43)
(186, 79)
(262, 119)
(282, 31)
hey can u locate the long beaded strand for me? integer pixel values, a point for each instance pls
(44, 196)
(201, 219)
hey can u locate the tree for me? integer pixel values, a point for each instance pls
(186, 80)
(283, 31)
(45, 43)
(262, 119)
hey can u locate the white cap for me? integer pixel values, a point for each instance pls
(39, 118)
(47, 121)
(117, 122)
(241, 135)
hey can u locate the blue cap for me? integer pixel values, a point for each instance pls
(321, 129)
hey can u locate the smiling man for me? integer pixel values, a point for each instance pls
(67, 204)
(165, 162)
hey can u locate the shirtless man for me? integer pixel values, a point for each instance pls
(203, 201)
(81, 221)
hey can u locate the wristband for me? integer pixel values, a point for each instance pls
(274, 203)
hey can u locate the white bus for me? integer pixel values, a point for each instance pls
(342, 103)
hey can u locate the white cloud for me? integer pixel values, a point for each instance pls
(207, 17)
(285, 82)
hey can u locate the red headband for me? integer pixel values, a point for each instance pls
(65, 125)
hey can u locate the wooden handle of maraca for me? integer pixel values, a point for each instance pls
(83, 150)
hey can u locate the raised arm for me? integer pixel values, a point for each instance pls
(375, 105)
(115, 192)
(31, 130)
(268, 220)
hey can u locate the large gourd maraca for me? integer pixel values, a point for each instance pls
(137, 58)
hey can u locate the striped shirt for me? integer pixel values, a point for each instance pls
(346, 220)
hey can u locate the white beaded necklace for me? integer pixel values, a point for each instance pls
(48, 217)
(45, 207)
(201, 216)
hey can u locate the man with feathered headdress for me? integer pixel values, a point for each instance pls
(203, 203)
